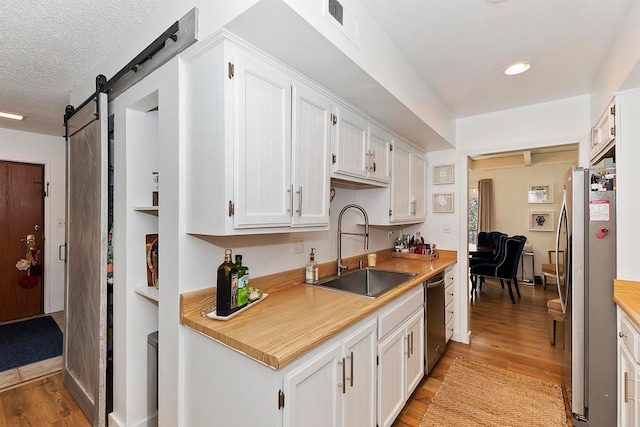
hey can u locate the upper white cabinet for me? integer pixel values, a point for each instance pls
(603, 134)
(404, 202)
(257, 145)
(311, 116)
(360, 149)
(378, 154)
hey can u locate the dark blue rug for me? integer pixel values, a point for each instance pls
(29, 341)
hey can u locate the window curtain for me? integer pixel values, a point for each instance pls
(485, 195)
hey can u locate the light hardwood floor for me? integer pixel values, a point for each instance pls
(17, 376)
(512, 336)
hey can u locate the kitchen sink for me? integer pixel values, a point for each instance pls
(368, 282)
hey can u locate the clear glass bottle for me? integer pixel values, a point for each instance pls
(311, 271)
(227, 287)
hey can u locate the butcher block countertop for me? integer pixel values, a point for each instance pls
(627, 295)
(295, 317)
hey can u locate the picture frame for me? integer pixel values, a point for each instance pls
(443, 174)
(541, 221)
(443, 203)
(540, 193)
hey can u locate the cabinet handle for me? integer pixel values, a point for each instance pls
(350, 357)
(299, 211)
(290, 191)
(406, 338)
(60, 251)
(621, 335)
(374, 166)
(626, 388)
(344, 382)
(413, 207)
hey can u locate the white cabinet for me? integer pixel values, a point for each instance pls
(360, 149)
(628, 336)
(336, 387)
(257, 145)
(400, 354)
(378, 154)
(313, 395)
(404, 202)
(603, 134)
(310, 169)
(449, 301)
(359, 363)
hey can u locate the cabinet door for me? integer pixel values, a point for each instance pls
(415, 353)
(378, 154)
(350, 143)
(262, 155)
(391, 376)
(418, 184)
(359, 350)
(312, 391)
(310, 169)
(626, 388)
(401, 182)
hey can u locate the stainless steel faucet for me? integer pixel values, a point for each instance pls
(342, 267)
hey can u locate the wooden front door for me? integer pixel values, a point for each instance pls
(21, 214)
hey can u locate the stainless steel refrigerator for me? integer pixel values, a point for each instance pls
(586, 247)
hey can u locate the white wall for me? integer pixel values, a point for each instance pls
(48, 150)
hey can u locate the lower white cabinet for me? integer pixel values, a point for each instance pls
(400, 367)
(449, 301)
(337, 387)
(628, 368)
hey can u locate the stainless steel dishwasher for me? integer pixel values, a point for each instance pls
(434, 329)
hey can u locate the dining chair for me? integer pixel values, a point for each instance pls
(505, 270)
(490, 257)
(549, 270)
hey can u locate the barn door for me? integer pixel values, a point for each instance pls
(85, 284)
(21, 215)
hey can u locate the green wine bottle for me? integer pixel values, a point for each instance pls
(243, 282)
(227, 287)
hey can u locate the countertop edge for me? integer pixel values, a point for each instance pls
(626, 294)
(191, 317)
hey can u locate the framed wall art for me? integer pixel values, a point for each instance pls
(541, 221)
(540, 193)
(443, 203)
(443, 174)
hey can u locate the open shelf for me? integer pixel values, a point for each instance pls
(149, 292)
(153, 210)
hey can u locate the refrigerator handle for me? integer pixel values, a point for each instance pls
(563, 215)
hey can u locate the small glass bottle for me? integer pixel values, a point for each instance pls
(243, 282)
(311, 271)
(227, 285)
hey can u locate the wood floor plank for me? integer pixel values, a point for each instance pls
(511, 336)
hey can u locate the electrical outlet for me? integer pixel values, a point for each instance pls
(389, 235)
(446, 228)
(298, 245)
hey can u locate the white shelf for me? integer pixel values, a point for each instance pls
(149, 292)
(153, 210)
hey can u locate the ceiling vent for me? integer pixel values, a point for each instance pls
(336, 10)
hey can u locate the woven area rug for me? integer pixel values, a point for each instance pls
(475, 394)
(29, 341)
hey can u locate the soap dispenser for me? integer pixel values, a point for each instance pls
(311, 272)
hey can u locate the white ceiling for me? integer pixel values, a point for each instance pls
(459, 47)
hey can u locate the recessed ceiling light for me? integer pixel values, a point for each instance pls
(11, 116)
(517, 68)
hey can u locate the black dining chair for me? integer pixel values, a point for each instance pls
(494, 257)
(505, 269)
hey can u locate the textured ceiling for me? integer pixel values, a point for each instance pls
(48, 46)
